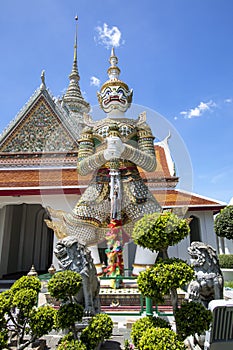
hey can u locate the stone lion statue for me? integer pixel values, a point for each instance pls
(208, 284)
(76, 257)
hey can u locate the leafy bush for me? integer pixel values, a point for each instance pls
(192, 318)
(24, 300)
(71, 345)
(27, 282)
(142, 324)
(40, 319)
(68, 314)
(160, 339)
(19, 314)
(3, 337)
(223, 224)
(158, 280)
(228, 284)
(159, 231)
(226, 261)
(99, 328)
(65, 284)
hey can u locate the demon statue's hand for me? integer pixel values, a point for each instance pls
(115, 147)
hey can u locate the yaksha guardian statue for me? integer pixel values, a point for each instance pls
(111, 150)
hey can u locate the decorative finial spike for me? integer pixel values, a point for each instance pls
(42, 76)
(76, 41)
(113, 52)
(113, 60)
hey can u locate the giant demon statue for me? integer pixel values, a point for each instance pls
(111, 149)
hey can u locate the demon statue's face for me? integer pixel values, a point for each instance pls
(115, 96)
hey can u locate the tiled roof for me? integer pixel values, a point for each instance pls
(12, 161)
(178, 198)
(29, 182)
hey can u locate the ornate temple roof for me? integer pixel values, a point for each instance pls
(40, 126)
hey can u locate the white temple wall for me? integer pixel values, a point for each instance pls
(225, 245)
(207, 235)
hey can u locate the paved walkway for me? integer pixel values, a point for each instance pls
(120, 333)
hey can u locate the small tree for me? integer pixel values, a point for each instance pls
(142, 324)
(223, 224)
(99, 328)
(164, 278)
(63, 286)
(192, 318)
(19, 314)
(160, 339)
(157, 232)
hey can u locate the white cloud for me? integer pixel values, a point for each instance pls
(95, 81)
(228, 100)
(199, 110)
(108, 37)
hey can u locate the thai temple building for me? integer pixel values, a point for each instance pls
(38, 170)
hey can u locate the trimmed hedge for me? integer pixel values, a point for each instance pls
(226, 261)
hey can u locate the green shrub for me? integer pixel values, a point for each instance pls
(68, 314)
(3, 338)
(18, 313)
(159, 231)
(71, 345)
(157, 281)
(192, 318)
(42, 320)
(228, 284)
(65, 284)
(27, 282)
(99, 328)
(160, 339)
(223, 223)
(226, 261)
(24, 300)
(142, 324)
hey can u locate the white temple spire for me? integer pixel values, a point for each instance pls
(113, 70)
(73, 96)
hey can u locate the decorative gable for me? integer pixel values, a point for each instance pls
(38, 130)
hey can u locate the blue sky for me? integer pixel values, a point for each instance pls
(177, 55)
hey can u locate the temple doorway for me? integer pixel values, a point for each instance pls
(25, 240)
(195, 231)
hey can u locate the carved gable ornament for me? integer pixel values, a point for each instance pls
(38, 130)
